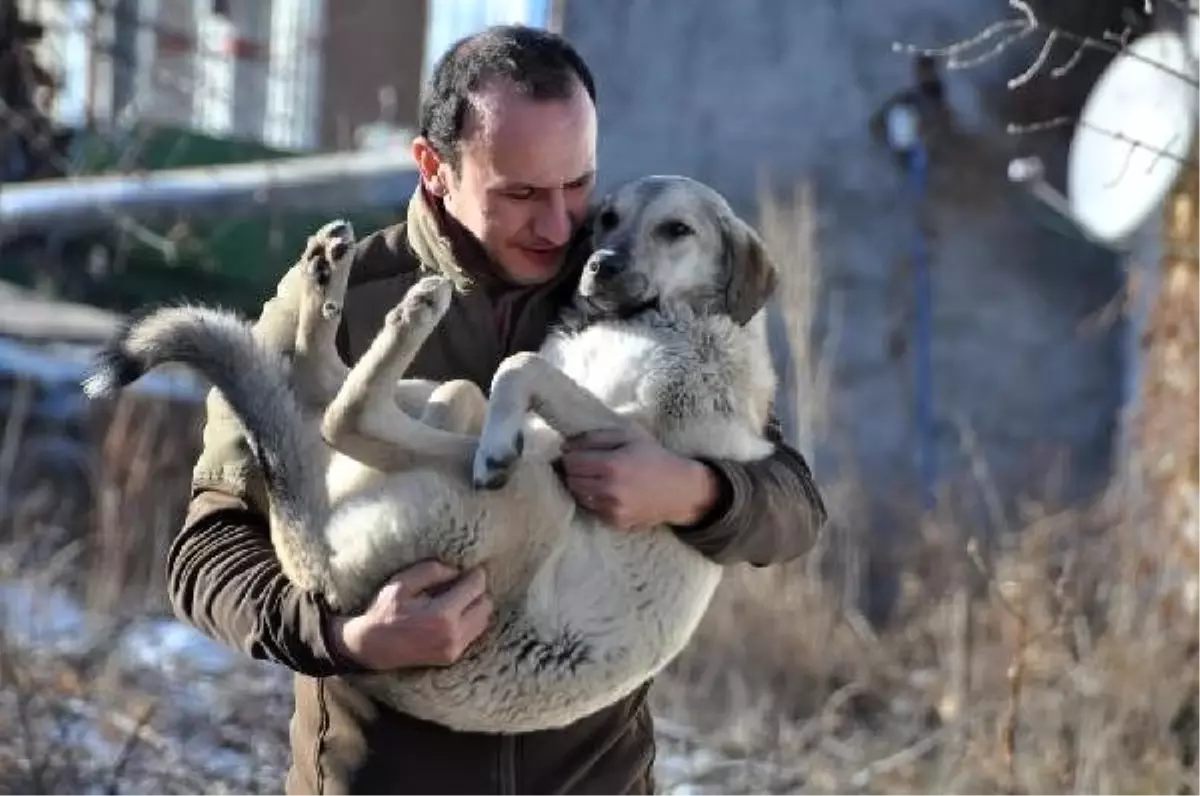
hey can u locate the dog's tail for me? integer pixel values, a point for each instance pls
(254, 380)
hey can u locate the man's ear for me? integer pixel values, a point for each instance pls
(429, 165)
(751, 277)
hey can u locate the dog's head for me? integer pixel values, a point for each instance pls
(671, 240)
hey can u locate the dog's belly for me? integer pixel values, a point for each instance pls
(585, 634)
(425, 514)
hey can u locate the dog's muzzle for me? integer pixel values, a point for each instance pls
(605, 265)
(610, 286)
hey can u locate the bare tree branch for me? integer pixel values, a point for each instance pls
(1010, 31)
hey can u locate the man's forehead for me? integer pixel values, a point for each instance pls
(544, 143)
(536, 171)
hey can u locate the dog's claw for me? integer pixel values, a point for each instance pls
(328, 250)
(321, 271)
(424, 303)
(492, 472)
(493, 469)
(494, 478)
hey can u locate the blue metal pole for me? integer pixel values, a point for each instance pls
(923, 357)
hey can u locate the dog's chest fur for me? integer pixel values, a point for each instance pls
(612, 361)
(671, 368)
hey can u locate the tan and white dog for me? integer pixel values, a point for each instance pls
(666, 333)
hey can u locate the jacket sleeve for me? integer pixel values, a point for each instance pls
(769, 511)
(224, 579)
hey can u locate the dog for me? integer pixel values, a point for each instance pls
(665, 335)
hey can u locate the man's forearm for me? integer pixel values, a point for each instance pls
(224, 579)
(767, 512)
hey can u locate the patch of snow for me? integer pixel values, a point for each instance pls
(166, 643)
(218, 721)
(33, 616)
(48, 618)
(209, 698)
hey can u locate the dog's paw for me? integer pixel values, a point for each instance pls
(329, 252)
(495, 459)
(424, 304)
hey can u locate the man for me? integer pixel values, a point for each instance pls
(507, 157)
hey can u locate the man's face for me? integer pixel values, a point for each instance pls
(526, 173)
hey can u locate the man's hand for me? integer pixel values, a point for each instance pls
(631, 481)
(413, 623)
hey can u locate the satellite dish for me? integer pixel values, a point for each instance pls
(1133, 136)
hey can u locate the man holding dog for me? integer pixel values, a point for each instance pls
(507, 160)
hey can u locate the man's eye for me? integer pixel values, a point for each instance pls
(520, 194)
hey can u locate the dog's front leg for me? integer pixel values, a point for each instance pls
(366, 420)
(318, 370)
(525, 383)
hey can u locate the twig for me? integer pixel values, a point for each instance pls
(35, 766)
(1012, 31)
(911, 754)
(143, 234)
(14, 426)
(1015, 675)
(132, 738)
(1037, 64)
(1134, 144)
(952, 52)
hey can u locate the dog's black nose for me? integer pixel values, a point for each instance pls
(607, 263)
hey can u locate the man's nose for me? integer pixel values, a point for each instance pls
(553, 222)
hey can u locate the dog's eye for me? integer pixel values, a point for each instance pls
(674, 230)
(608, 219)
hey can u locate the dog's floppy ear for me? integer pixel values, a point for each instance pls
(750, 274)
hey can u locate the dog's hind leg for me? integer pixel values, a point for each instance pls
(457, 406)
(365, 421)
(526, 382)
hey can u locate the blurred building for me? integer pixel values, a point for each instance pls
(296, 74)
(1026, 354)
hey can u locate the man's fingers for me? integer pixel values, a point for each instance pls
(585, 488)
(605, 439)
(458, 597)
(423, 576)
(594, 495)
(476, 617)
(586, 463)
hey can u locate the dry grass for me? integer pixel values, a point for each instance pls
(97, 694)
(95, 704)
(1029, 663)
(1010, 670)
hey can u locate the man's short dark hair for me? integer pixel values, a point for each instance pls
(540, 64)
